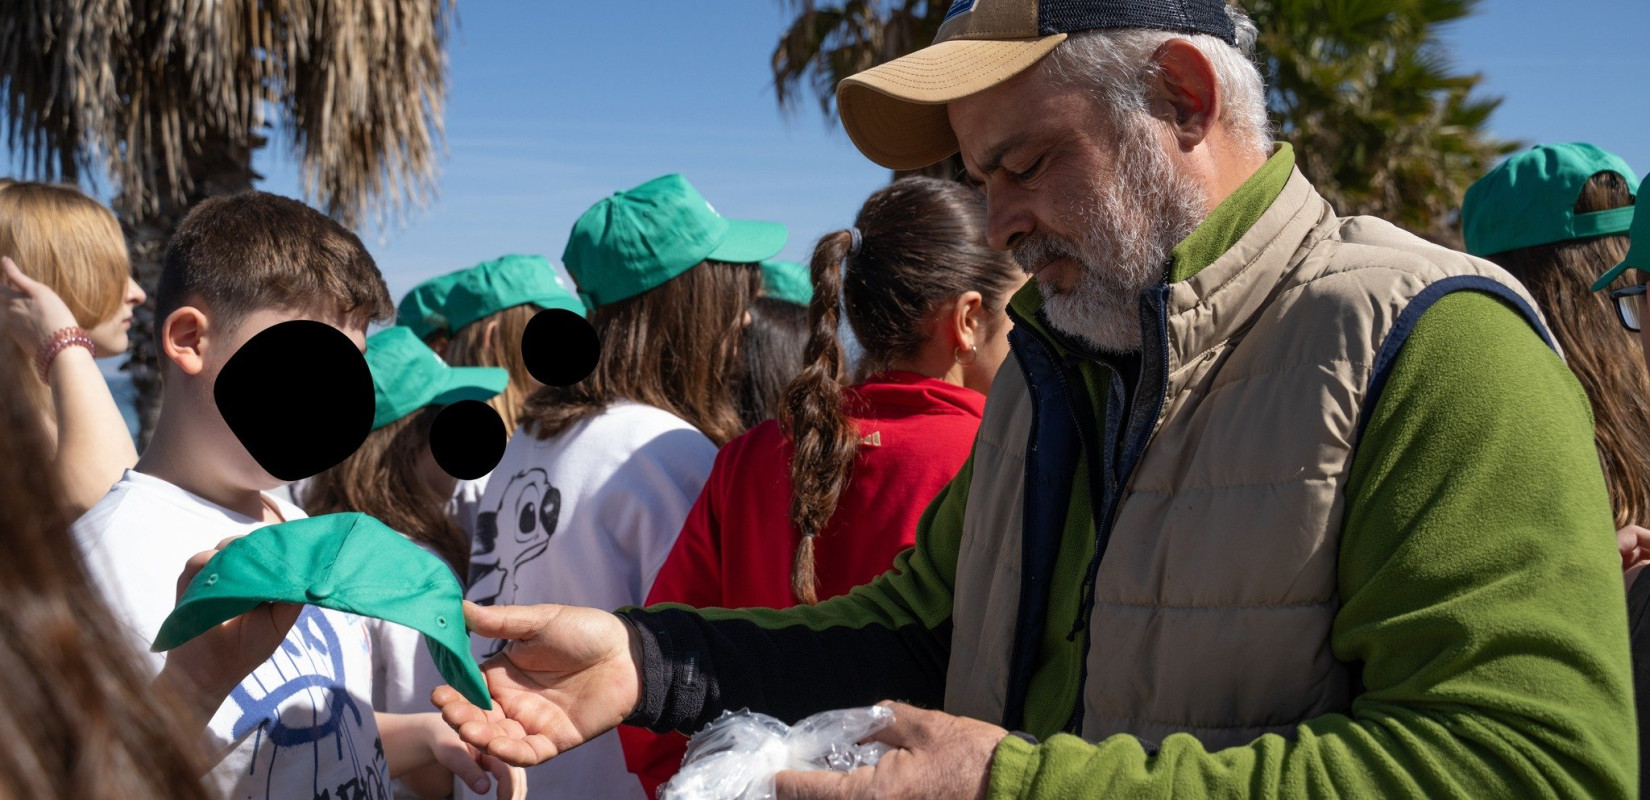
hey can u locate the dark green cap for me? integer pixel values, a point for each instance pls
(1529, 199)
(507, 282)
(346, 562)
(407, 375)
(422, 308)
(1638, 253)
(788, 281)
(638, 239)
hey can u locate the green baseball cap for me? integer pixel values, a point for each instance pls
(788, 281)
(407, 375)
(1638, 254)
(638, 239)
(1529, 199)
(346, 562)
(422, 308)
(506, 282)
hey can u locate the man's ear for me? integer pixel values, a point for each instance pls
(488, 331)
(183, 336)
(1187, 92)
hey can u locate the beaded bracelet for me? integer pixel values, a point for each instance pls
(62, 339)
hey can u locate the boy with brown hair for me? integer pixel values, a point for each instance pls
(301, 724)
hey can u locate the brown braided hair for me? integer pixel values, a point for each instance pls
(922, 244)
(1606, 358)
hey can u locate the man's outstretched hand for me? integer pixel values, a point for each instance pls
(565, 676)
(936, 755)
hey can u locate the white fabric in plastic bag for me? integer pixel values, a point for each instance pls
(737, 756)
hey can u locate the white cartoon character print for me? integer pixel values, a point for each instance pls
(512, 534)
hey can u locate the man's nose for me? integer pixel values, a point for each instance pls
(1007, 220)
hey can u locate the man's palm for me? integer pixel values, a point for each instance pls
(565, 676)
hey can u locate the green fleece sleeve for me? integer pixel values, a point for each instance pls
(888, 639)
(1482, 597)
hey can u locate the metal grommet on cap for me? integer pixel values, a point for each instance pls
(441, 622)
(211, 579)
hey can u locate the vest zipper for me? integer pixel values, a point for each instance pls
(1138, 429)
(1035, 354)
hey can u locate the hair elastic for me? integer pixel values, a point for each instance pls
(854, 241)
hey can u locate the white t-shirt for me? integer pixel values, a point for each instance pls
(586, 518)
(301, 725)
(403, 671)
(465, 504)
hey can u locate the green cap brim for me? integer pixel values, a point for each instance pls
(295, 562)
(1610, 277)
(749, 242)
(471, 383)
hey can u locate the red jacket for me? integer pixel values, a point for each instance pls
(737, 545)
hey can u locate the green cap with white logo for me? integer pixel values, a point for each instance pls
(346, 562)
(407, 375)
(506, 282)
(1529, 199)
(637, 240)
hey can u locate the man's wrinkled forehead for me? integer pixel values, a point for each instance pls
(992, 124)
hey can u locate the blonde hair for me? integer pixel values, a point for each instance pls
(69, 242)
(469, 348)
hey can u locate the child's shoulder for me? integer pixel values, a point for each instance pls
(638, 421)
(118, 507)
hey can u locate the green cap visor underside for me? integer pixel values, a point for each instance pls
(346, 562)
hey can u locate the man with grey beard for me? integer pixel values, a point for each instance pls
(1272, 503)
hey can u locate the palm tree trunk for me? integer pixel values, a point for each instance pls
(218, 168)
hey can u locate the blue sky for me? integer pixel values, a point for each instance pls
(553, 105)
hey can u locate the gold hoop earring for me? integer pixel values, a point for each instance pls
(973, 355)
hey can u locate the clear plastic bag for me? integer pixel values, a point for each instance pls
(737, 756)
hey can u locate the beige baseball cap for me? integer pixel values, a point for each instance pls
(895, 112)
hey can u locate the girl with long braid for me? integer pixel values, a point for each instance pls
(821, 500)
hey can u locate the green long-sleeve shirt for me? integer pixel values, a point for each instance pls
(1482, 594)
(1480, 586)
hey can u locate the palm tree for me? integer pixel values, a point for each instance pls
(169, 99)
(1364, 89)
(1379, 118)
(828, 42)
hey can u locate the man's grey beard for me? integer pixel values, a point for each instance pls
(1128, 223)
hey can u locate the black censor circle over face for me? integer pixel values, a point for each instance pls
(298, 396)
(559, 347)
(467, 439)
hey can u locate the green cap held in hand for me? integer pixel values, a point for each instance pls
(346, 562)
(637, 240)
(788, 281)
(407, 376)
(1529, 199)
(506, 282)
(423, 309)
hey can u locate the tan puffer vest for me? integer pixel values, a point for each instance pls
(1217, 590)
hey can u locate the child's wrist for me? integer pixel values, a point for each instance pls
(61, 339)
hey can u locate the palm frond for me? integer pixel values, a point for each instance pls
(150, 89)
